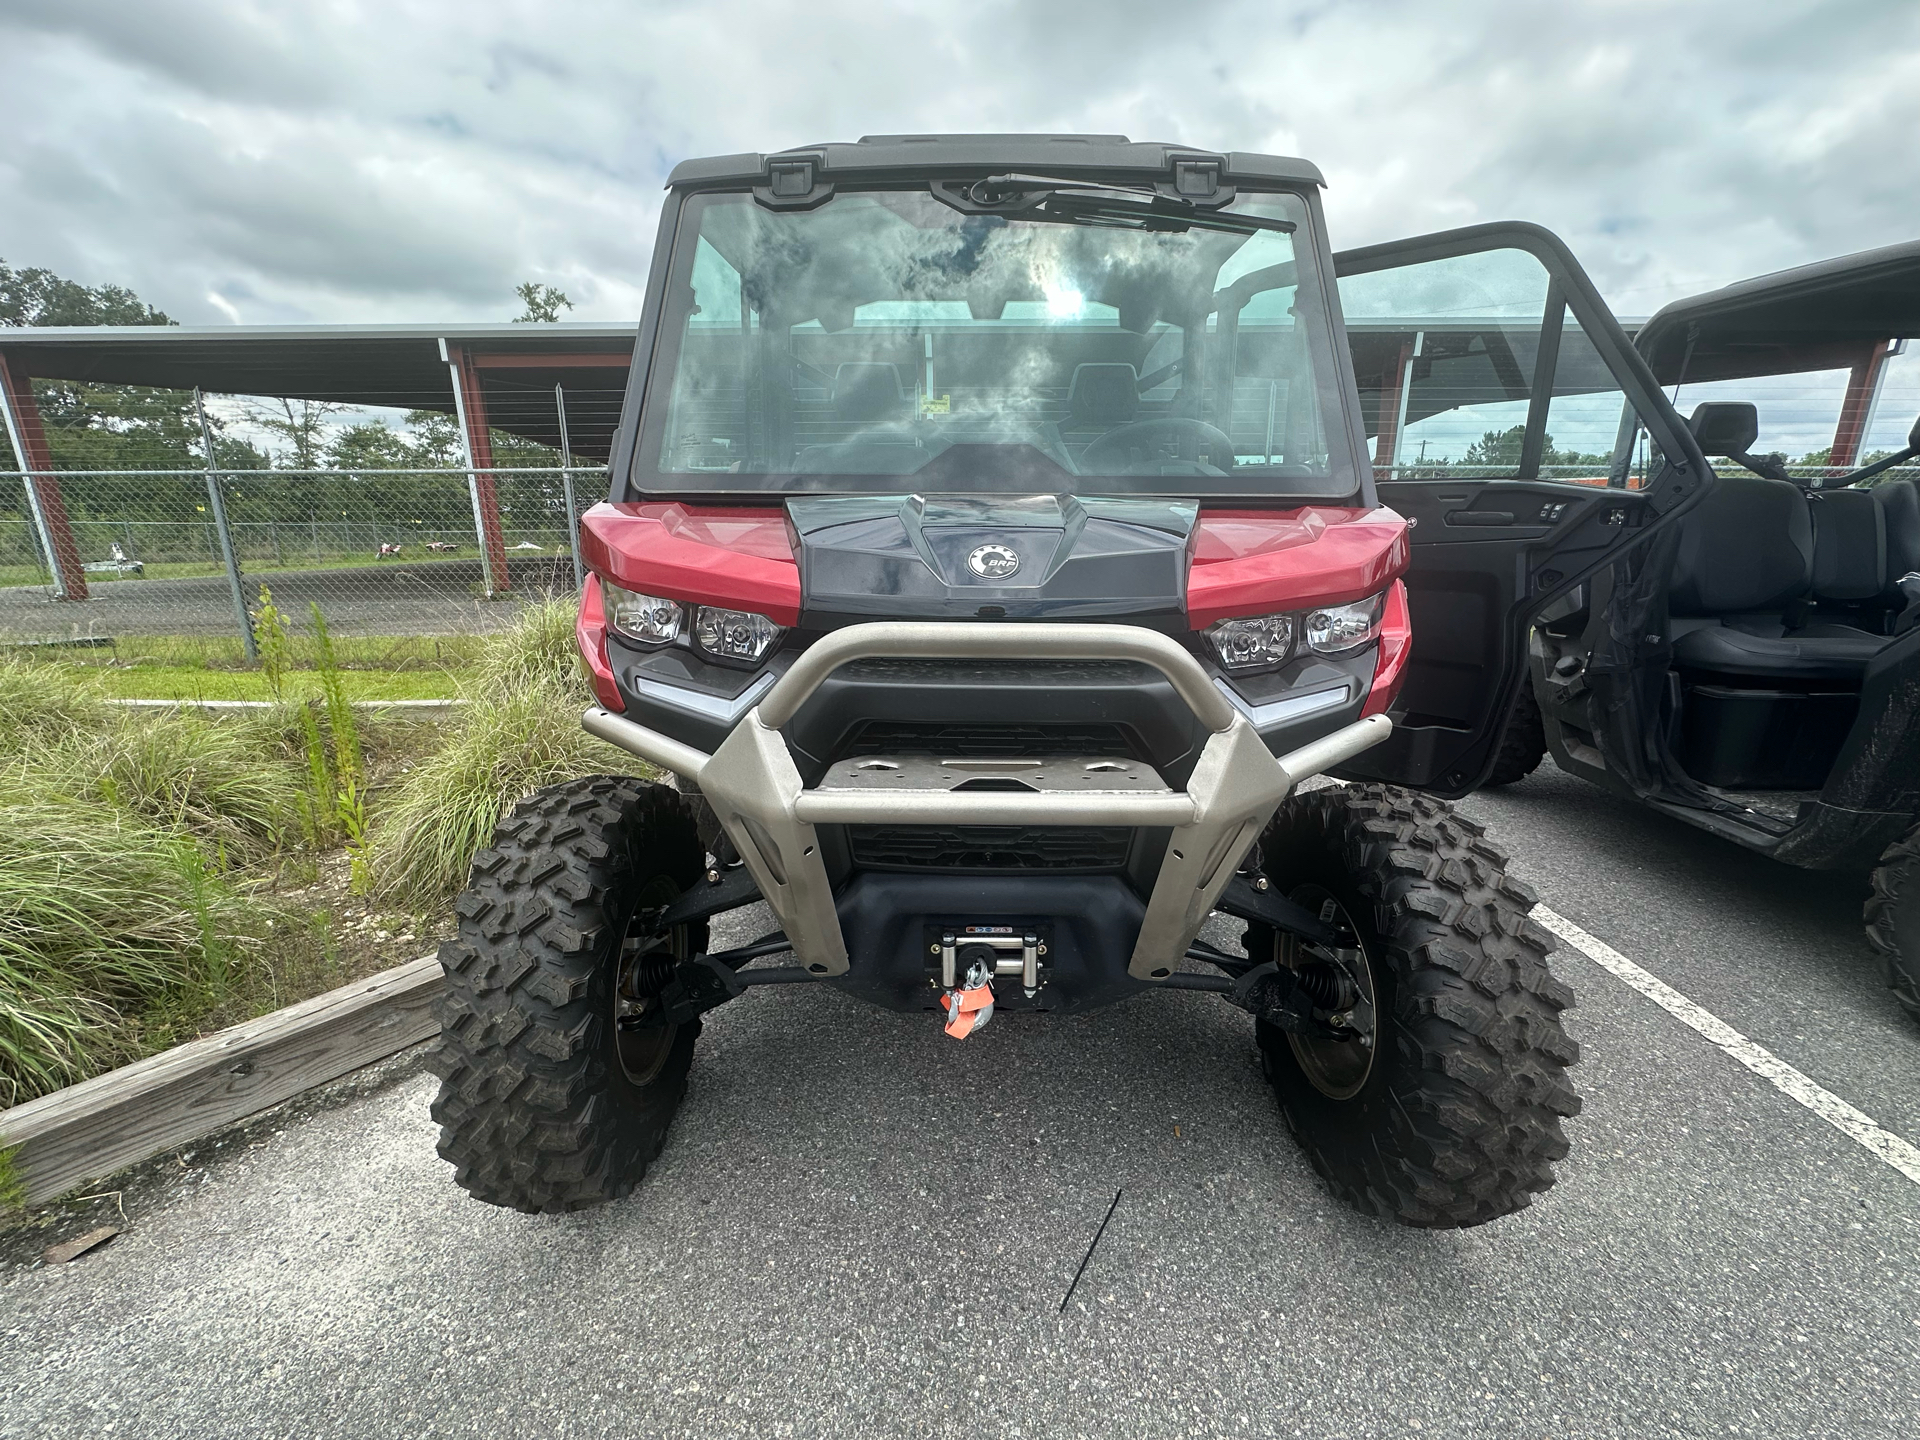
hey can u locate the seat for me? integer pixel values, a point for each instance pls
(1745, 564)
(1849, 546)
(1103, 394)
(1835, 654)
(1899, 504)
(872, 408)
(865, 391)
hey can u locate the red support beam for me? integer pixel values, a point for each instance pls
(486, 498)
(1387, 426)
(1851, 432)
(29, 439)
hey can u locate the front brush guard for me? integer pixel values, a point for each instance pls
(770, 814)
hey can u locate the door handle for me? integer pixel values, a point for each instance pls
(1479, 517)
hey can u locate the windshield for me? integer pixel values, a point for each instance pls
(889, 334)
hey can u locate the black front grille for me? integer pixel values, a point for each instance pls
(988, 847)
(992, 739)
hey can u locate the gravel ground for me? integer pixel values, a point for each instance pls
(860, 1227)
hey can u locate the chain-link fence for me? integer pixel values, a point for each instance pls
(383, 552)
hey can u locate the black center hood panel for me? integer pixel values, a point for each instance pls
(1060, 557)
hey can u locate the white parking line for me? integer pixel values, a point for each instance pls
(1853, 1123)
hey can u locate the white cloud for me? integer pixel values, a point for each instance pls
(344, 161)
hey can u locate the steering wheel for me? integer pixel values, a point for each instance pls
(1118, 444)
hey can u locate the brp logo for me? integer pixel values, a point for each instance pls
(993, 562)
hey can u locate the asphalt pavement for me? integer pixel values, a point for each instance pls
(860, 1227)
(395, 597)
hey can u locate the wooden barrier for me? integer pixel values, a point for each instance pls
(86, 1131)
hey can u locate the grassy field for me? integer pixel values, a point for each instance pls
(215, 668)
(163, 873)
(174, 682)
(223, 652)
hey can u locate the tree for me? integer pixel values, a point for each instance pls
(39, 297)
(97, 426)
(1500, 450)
(543, 303)
(369, 446)
(302, 424)
(1496, 450)
(435, 442)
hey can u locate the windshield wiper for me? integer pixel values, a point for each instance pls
(1064, 202)
(1159, 213)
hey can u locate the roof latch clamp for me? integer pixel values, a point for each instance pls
(791, 185)
(1198, 183)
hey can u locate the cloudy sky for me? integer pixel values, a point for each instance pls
(247, 161)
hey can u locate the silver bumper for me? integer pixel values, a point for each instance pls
(756, 791)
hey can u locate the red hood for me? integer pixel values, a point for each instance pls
(1256, 562)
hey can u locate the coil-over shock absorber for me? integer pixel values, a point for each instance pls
(651, 973)
(1330, 986)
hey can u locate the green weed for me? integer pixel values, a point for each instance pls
(13, 1190)
(275, 645)
(347, 759)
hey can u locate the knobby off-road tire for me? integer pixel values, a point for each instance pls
(1458, 1120)
(1893, 919)
(1523, 744)
(540, 1108)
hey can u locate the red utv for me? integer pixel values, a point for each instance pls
(993, 551)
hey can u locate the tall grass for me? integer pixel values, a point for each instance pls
(134, 844)
(122, 917)
(107, 925)
(520, 730)
(40, 702)
(202, 777)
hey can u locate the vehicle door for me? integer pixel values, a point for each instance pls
(1513, 424)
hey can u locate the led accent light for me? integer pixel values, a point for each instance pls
(1342, 629)
(643, 619)
(1253, 644)
(738, 635)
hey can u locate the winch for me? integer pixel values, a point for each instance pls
(1002, 949)
(970, 957)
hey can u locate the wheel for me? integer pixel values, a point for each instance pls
(548, 1102)
(1893, 919)
(1451, 1116)
(1523, 744)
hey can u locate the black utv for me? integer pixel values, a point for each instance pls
(1757, 671)
(993, 550)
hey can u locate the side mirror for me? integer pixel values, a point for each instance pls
(1727, 427)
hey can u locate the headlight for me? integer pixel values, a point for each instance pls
(1342, 629)
(1252, 644)
(644, 619)
(738, 635)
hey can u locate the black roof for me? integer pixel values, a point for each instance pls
(393, 365)
(876, 156)
(1822, 316)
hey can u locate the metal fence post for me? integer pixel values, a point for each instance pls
(478, 451)
(566, 488)
(21, 416)
(240, 616)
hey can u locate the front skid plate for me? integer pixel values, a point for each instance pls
(756, 790)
